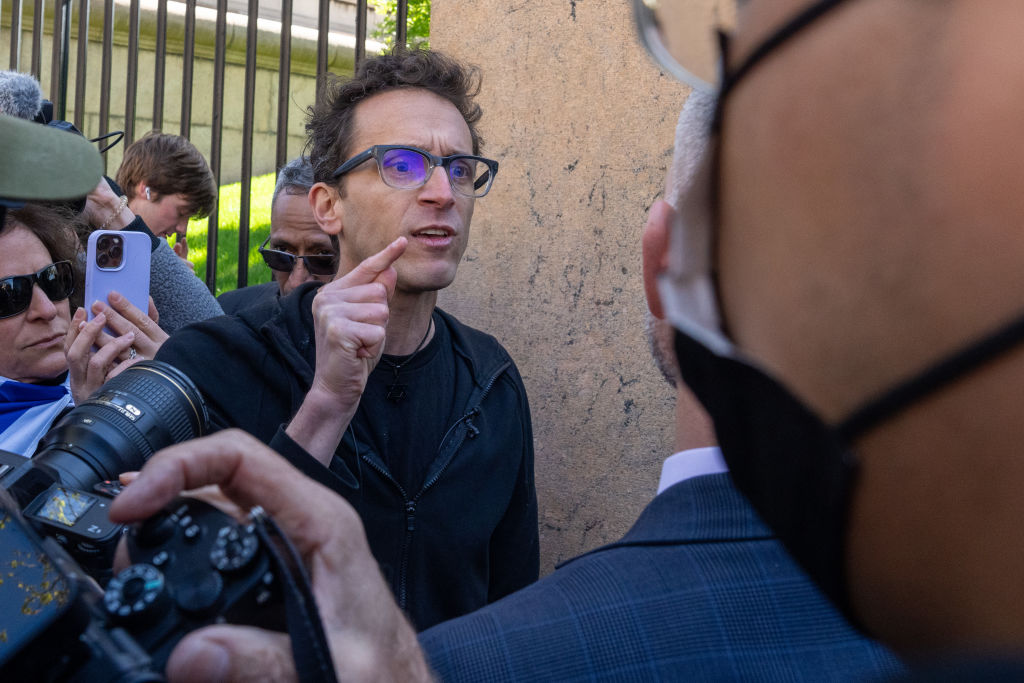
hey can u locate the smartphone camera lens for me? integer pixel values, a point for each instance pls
(102, 259)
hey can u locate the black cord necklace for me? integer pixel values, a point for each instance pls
(396, 391)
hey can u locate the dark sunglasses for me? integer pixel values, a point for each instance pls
(317, 264)
(56, 280)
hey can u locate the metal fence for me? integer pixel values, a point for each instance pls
(61, 90)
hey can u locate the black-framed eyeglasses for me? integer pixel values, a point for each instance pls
(57, 281)
(316, 264)
(406, 168)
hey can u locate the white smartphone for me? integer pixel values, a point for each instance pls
(118, 261)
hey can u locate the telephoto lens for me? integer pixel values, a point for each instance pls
(149, 406)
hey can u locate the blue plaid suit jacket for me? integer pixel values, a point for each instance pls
(698, 590)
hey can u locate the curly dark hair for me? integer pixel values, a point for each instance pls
(57, 228)
(329, 121)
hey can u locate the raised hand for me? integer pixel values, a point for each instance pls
(350, 323)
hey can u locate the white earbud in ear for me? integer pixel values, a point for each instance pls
(147, 195)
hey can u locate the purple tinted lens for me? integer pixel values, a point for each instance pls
(403, 168)
(462, 171)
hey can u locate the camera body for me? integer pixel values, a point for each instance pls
(192, 565)
(147, 407)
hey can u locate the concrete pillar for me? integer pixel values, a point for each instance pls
(582, 123)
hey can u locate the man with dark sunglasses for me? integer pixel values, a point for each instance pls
(296, 250)
(420, 421)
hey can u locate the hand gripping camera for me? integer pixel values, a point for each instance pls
(65, 488)
(192, 565)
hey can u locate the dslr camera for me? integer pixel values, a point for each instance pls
(143, 409)
(191, 564)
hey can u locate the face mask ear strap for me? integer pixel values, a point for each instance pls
(773, 42)
(932, 380)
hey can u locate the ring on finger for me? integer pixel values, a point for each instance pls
(132, 353)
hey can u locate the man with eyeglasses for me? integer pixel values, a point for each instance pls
(421, 422)
(296, 250)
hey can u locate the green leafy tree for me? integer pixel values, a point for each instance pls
(417, 24)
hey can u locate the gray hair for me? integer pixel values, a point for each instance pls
(295, 177)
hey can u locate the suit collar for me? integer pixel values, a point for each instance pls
(705, 509)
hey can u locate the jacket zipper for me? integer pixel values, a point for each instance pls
(410, 505)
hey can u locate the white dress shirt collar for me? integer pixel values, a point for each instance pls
(695, 462)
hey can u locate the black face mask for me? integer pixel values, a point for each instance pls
(798, 471)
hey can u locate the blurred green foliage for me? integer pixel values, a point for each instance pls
(262, 192)
(417, 24)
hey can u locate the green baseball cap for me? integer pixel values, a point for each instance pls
(42, 163)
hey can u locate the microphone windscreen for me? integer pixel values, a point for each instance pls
(20, 95)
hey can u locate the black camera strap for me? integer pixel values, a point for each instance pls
(310, 649)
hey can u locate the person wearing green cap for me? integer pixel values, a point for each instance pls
(38, 264)
(47, 358)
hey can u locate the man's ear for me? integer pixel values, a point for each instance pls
(655, 252)
(327, 208)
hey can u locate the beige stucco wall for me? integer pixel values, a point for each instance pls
(582, 123)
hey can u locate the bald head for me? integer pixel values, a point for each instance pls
(869, 189)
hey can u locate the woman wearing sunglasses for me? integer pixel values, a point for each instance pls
(39, 278)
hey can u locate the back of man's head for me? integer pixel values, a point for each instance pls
(329, 124)
(867, 192)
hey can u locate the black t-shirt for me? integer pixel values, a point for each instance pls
(407, 433)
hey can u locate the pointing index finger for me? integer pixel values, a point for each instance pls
(371, 268)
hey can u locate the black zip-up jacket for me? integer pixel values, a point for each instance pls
(469, 536)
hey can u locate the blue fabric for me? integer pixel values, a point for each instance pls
(27, 411)
(698, 590)
(18, 397)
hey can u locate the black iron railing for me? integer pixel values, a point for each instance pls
(121, 24)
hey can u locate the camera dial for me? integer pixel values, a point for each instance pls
(135, 593)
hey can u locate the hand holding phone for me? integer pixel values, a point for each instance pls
(117, 261)
(98, 349)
